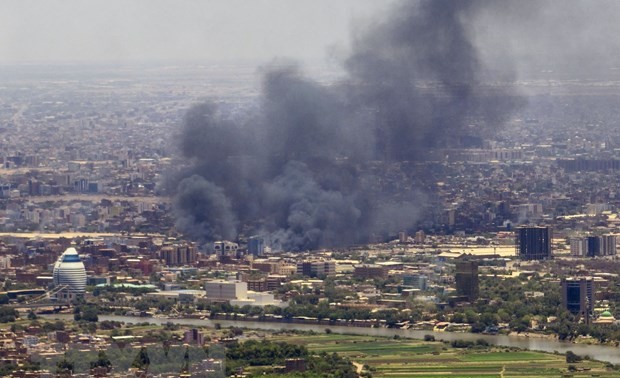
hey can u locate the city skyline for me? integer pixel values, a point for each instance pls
(178, 180)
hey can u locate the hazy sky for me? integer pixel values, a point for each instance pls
(130, 30)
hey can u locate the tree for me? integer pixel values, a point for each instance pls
(86, 313)
(166, 344)
(461, 344)
(458, 317)
(142, 306)
(489, 318)
(64, 366)
(520, 324)
(90, 314)
(504, 316)
(142, 360)
(7, 370)
(102, 361)
(471, 316)
(185, 366)
(8, 315)
(571, 357)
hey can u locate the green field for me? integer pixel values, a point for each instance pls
(413, 358)
(511, 356)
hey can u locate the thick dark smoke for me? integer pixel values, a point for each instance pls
(204, 209)
(321, 166)
(423, 43)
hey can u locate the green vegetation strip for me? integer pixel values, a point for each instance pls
(415, 358)
(426, 369)
(506, 356)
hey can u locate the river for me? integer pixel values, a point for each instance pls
(599, 352)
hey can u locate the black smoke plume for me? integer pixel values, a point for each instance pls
(322, 165)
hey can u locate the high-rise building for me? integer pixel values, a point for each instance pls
(316, 268)
(420, 237)
(533, 243)
(578, 296)
(70, 273)
(403, 237)
(593, 246)
(178, 254)
(608, 245)
(578, 247)
(466, 278)
(256, 246)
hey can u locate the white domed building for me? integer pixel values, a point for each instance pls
(69, 272)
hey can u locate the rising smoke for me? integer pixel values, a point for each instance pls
(305, 169)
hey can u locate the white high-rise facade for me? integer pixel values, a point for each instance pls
(69, 271)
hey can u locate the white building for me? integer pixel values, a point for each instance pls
(236, 293)
(258, 299)
(69, 271)
(227, 290)
(5, 262)
(578, 247)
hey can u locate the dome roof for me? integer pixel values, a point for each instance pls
(606, 314)
(70, 255)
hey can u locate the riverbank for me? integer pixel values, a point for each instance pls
(382, 324)
(389, 357)
(599, 352)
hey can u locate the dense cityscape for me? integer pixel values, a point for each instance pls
(147, 231)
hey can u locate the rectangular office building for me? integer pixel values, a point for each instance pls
(533, 243)
(578, 296)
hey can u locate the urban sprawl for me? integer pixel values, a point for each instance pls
(517, 236)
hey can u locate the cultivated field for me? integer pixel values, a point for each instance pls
(413, 358)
